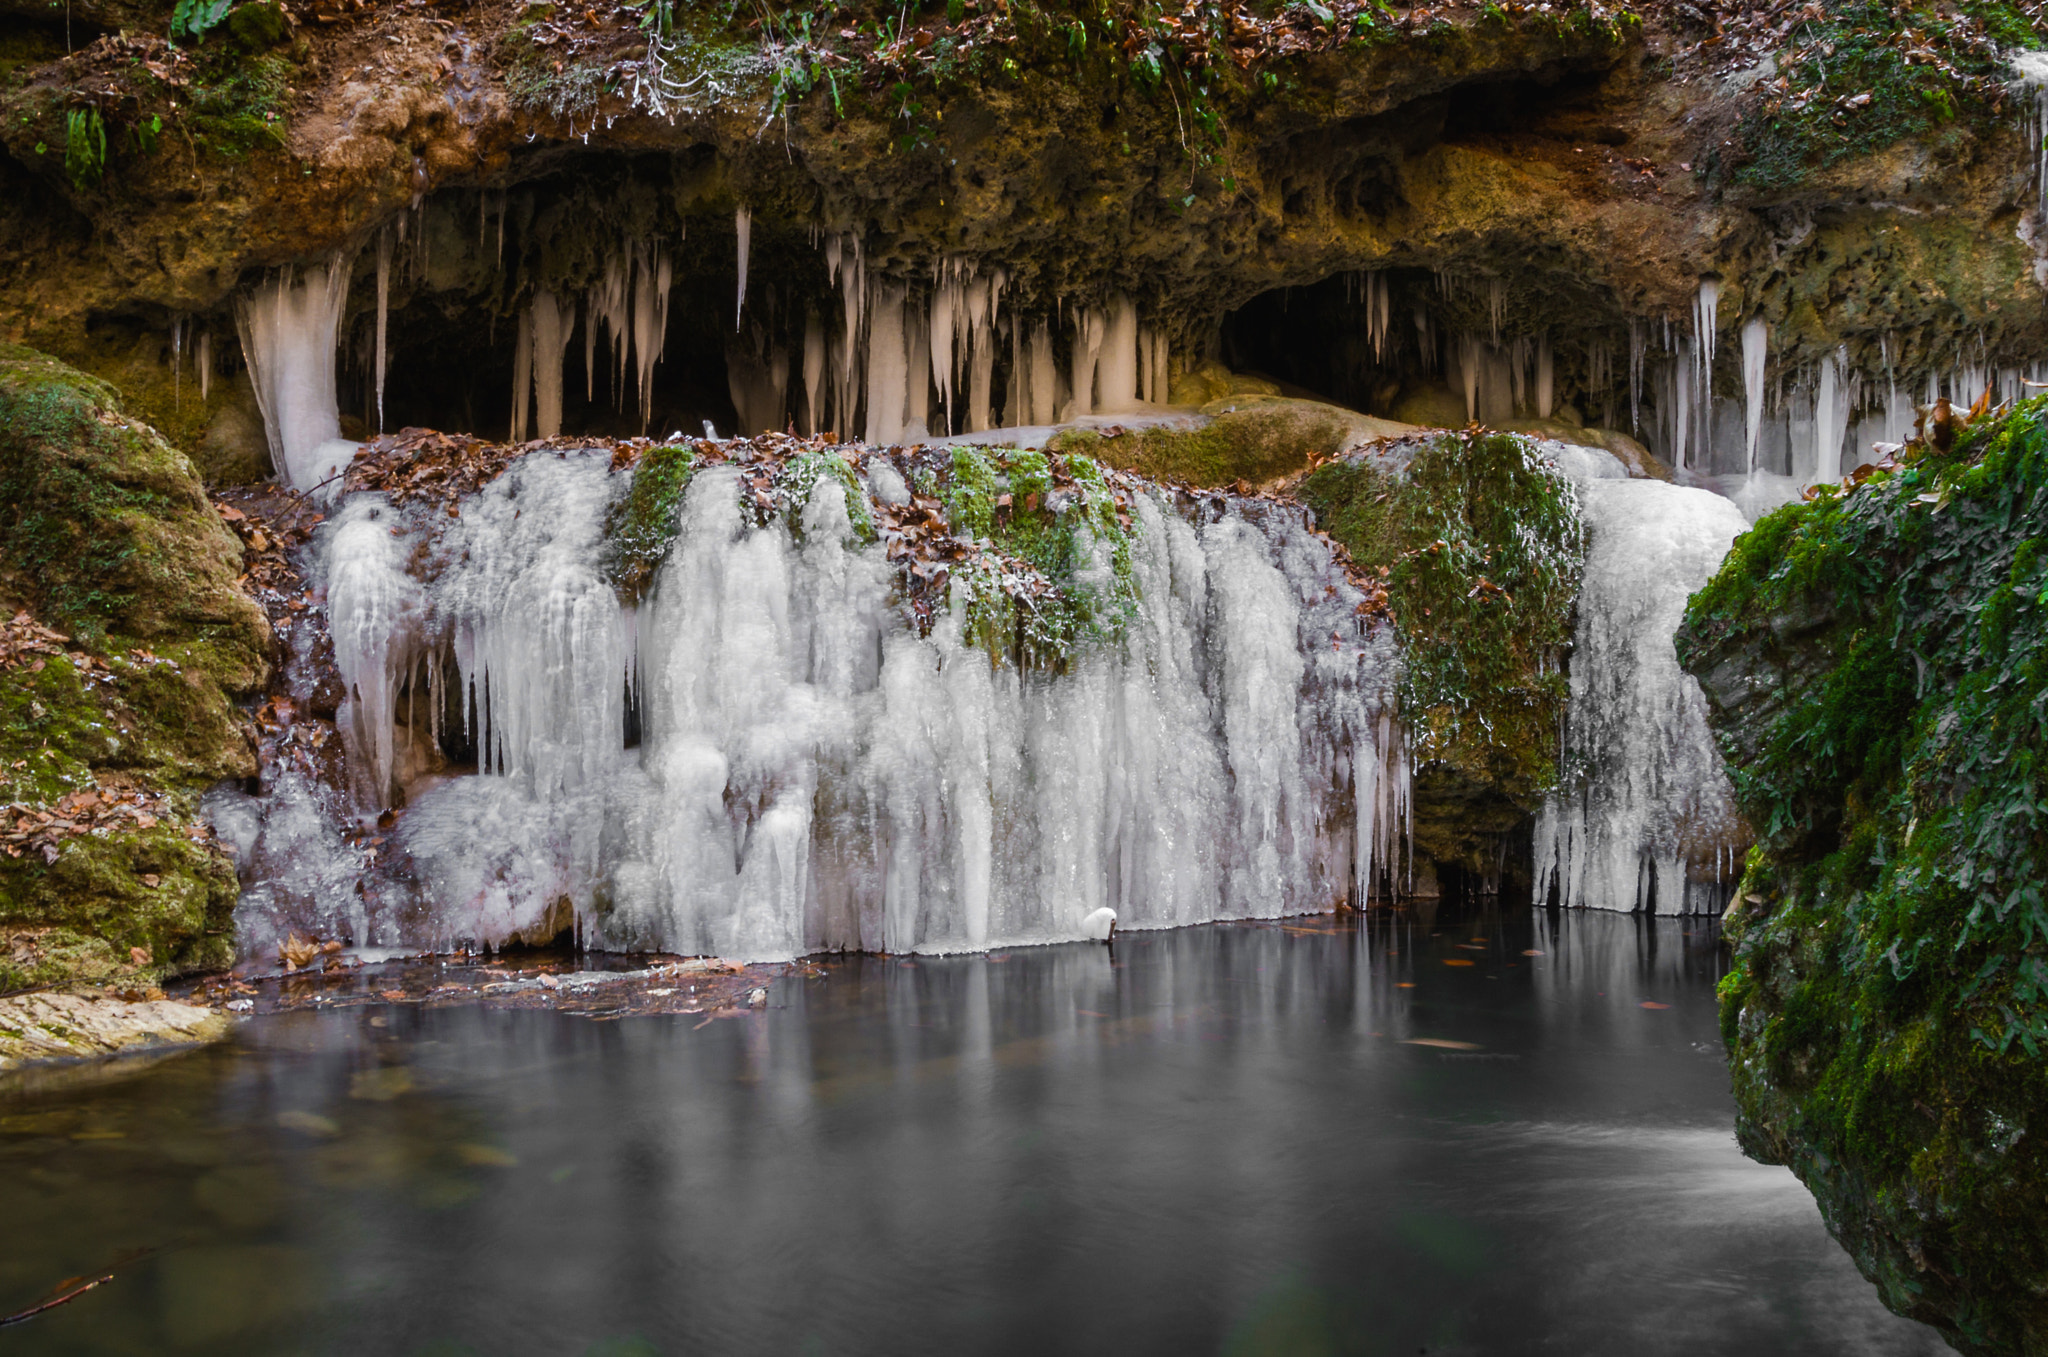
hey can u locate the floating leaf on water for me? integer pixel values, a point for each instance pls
(307, 1123)
(486, 1156)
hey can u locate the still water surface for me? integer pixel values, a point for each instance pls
(1218, 1140)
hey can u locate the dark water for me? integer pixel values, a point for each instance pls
(1216, 1141)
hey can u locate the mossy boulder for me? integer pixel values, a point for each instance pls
(1876, 668)
(1482, 548)
(107, 537)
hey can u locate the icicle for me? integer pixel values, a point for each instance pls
(743, 228)
(383, 314)
(522, 374)
(944, 316)
(1638, 341)
(1546, 378)
(1469, 360)
(814, 373)
(203, 360)
(1756, 336)
(550, 344)
(289, 331)
(1090, 328)
(1706, 339)
(888, 364)
(1830, 421)
(1683, 375)
(1041, 383)
(981, 354)
(177, 362)
(1116, 374)
(652, 278)
(1496, 304)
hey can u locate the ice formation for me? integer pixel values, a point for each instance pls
(290, 324)
(811, 772)
(1646, 818)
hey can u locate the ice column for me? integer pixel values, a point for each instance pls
(289, 326)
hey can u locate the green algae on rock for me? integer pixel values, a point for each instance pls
(1482, 549)
(107, 535)
(1876, 663)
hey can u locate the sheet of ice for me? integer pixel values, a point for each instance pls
(813, 774)
(1646, 817)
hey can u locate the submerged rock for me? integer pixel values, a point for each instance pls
(1876, 667)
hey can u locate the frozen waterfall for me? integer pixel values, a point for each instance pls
(813, 773)
(1647, 817)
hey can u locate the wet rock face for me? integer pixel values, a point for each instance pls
(128, 636)
(1875, 665)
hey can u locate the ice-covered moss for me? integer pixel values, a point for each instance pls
(799, 477)
(1877, 666)
(644, 521)
(1054, 568)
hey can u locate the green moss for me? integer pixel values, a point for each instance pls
(1878, 666)
(241, 103)
(970, 493)
(798, 479)
(105, 533)
(1255, 444)
(1859, 79)
(643, 524)
(99, 890)
(1482, 549)
(1057, 571)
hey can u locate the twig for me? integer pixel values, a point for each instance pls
(23, 1316)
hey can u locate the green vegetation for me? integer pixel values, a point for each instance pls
(1858, 78)
(1879, 662)
(1264, 440)
(1482, 549)
(193, 19)
(85, 147)
(1057, 571)
(106, 536)
(240, 104)
(798, 478)
(643, 523)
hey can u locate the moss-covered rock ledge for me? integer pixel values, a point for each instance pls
(126, 638)
(1876, 662)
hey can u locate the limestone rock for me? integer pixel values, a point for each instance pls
(35, 1027)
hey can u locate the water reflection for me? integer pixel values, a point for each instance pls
(1485, 1134)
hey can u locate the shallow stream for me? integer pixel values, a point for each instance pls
(1502, 1133)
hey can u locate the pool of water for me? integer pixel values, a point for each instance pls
(1497, 1133)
